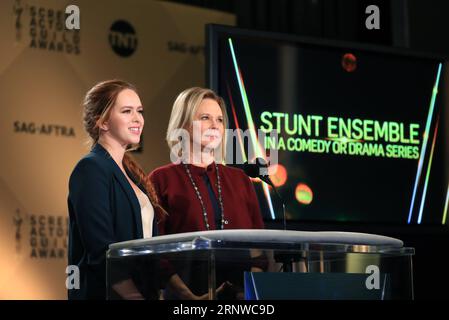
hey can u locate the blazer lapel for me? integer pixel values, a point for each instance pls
(125, 185)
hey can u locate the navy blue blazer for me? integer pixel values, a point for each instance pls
(103, 209)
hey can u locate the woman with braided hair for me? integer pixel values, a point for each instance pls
(110, 197)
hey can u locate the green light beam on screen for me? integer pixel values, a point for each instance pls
(248, 115)
(234, 115)
(429, 166)
(425, 140)
(249, 119)
(445, 206)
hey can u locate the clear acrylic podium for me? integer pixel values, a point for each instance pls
(263, 264)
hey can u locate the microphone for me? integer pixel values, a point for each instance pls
(259, 169)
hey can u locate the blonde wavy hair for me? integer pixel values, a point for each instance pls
(183, 112)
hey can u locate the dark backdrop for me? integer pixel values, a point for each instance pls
(416, 25)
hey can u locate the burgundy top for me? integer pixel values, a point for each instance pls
(177, 196)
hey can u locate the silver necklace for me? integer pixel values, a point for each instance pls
(203, 207)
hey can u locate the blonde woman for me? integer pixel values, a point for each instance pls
(199, 192)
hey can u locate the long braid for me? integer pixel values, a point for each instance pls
(97, 106)
(143, 180)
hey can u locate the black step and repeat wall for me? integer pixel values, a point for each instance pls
(45, 70)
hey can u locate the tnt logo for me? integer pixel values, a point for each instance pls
(123, 38)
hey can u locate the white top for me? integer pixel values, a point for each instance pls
(147, 212)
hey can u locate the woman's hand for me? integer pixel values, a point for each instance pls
(176, 285)
(205, 296)
(127, 290)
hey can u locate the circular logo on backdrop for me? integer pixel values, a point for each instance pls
(123, 38)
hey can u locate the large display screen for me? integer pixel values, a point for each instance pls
(361, 132)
